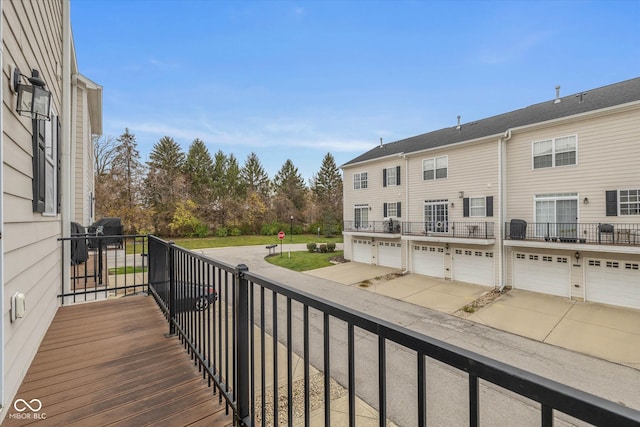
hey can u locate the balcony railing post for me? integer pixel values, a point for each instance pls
(172, 289)
(242, 344)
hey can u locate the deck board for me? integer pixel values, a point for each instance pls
(109, 362)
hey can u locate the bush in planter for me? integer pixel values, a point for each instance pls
(311, 247)
(331, 247)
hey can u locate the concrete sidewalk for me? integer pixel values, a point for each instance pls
(606, 332)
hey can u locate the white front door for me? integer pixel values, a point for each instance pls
(428, 260)
(546, 274)
(614, 282)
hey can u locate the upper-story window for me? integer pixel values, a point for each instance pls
(555, 152)
(627, 202)
(477, 206)
(392, 209)
(435, 168)
(360, 180)
(391, 176)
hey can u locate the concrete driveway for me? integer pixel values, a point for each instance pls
(610, 333)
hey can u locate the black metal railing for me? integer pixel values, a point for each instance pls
(386, 226)
(103, 266)
(458, 229)
(557, 232)
(238, 342)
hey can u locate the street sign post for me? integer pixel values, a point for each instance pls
(281, 237)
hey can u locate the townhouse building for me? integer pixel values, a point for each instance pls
(46, 174)
(545, 198)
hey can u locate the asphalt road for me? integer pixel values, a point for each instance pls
(446, 387)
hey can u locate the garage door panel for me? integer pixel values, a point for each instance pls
(390, 254)
(362, 251)
(613, 282)
(428, 260)
(473, 266)
(546, 274)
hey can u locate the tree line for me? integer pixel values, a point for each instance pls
(195, 194)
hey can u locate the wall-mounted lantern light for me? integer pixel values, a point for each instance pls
(461, 194)
(586, 201)
(33, 100)
(577, 255)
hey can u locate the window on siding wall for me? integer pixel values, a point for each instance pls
(477, 206)
(361, 216)
(555, 152)
(392, 209)
(360, 180)
(46, 164)
(391, 176)
(435, 168)
(629, 202)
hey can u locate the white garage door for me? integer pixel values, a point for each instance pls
(362, 251)
(428, 260)
(613, 282)
(390, 254)
(473, 266)
(542, 273)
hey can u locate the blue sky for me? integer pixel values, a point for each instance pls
(297, 79)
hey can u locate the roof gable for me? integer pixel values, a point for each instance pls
(571, 105)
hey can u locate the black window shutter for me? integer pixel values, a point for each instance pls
(489, 205)
(397, 175)
(384, 210)
(38, 165)
(465, 207)
(384, 177)
(399, 210)
(611, 198)
(59, 160)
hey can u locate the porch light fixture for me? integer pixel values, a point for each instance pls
(586, 201)
(461, 194)
(33, 100)
(577, 255)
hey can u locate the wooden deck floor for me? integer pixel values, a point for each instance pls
(109, 363)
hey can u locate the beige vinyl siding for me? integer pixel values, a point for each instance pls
(607, 159)
(375, 195)
(32, 36)
(472, 168)
(83, 160)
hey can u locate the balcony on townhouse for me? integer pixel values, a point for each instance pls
(476, 232)
(623, 236)
(177, 338)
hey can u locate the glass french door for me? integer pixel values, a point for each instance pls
(557, 217)
(436, 216)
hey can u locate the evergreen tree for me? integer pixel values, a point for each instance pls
(290, 191)
(254, 176)
(165, 183)
(326, 187)
(198, 169)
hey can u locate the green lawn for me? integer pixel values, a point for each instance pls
(303, 261)
(127, 270)
(220, 242)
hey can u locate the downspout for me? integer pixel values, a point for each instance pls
(502, 193)
(2, 304)
(405, 246)
(65, 213)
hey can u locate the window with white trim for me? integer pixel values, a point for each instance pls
(361, 216)
(360, 181)
(630, 202)
(555, 152)
(477, 206)
(435, 168)
(50, 168)
(391, 177)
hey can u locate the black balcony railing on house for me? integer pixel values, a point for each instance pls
(592, 233)
(228, 338)
(386, 226)
(104, 266)
(445, 229)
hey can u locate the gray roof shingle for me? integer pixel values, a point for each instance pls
(594, 99)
